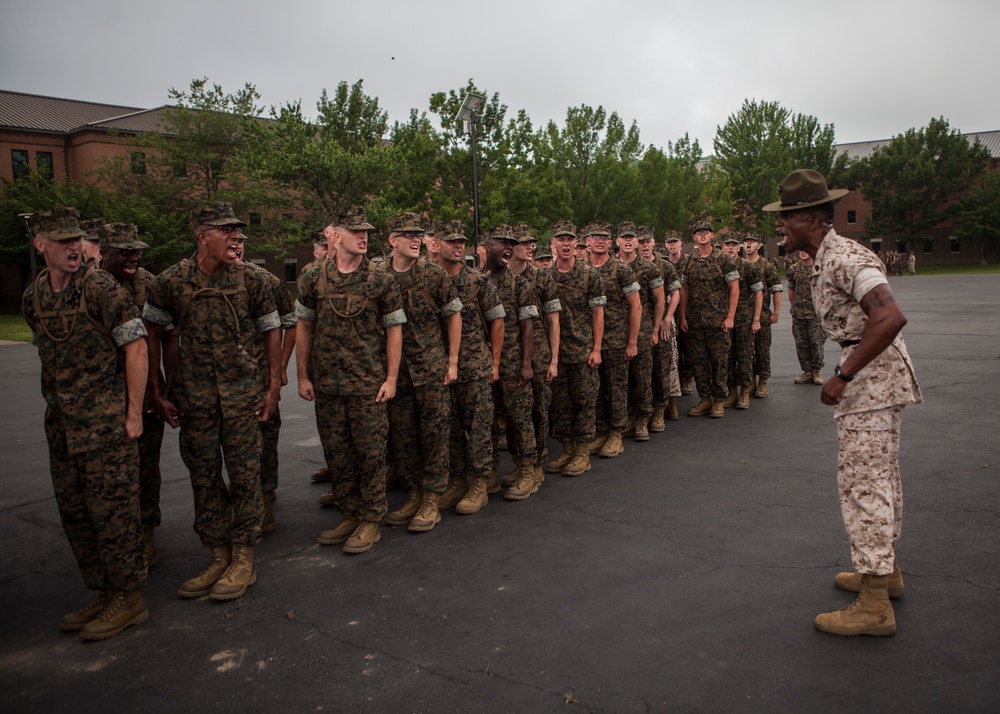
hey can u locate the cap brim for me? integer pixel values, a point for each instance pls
(361, 227)
(835, 195)
(225, 222)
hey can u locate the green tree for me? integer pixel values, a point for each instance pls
(919, 179)
(977, 216)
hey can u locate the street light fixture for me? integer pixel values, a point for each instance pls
(469, 115)
(26, 220)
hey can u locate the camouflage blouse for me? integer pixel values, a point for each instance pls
(518, 304)
(580, 290)
(707, 280)
(480, 306)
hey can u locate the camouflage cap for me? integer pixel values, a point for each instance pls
(543, 251)
(501, 232)
(673, 237)
(626, 228)
(453, 231)
(646, 233)
(564, 228)
(732, 237)
(581, 242)
(702, 226)
(432, 227)
(92, 227)
(522, 234)
(354, 219)
(596, 228)
(319, 237)
(58, 224)
(215, 214)
(752, 236)
(406, 223)
(121, 236)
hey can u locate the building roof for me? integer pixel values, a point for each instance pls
(864, 149)
(145, 120)
(31, 111)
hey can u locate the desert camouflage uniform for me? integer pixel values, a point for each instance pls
(708, 304)
(870, 414)
(95, 471)
(546, 301)
(218, 388)
(666, 374)
(420, 414)
(270, 430)
(471, 445)
(762, 340)
(574, 391)
(347, 366)
(510, 398)
(640, 369)
(739, 371)
(612, 399)
(807, 331)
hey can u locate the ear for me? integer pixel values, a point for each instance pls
(39, 244)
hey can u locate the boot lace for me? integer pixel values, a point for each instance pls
(116, 604)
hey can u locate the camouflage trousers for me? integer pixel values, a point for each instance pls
(419, 422)
(871, 492)
(514, 401)
(149, 469)
(541, 393)
(809, 342)
(574, 401)
(354, 431)
(708, 354)
(612, 398)
(97, 493)
(471, 446)
(762, 348)
(269, 432)
(640, 380)
(739, 370)
(684, 367)
(224, 515)
(666, 375)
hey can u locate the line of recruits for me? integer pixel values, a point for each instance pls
(429, 357)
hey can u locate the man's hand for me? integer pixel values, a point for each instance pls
(552, 372)
(386, 392)
(495, 375)
(727, 324)
(306, 389)
(284, 376)
(833, 391)
(631, 350)
(270, 403)
(133, 427)
(774, 318)
(451, 374)
(525, 375)
(755, 326)
(666, 330)
(166, 410)
(594, 359)
(684, 324)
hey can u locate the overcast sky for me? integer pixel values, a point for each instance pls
(873, 68)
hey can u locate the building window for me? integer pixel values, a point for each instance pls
(876, 245)
(781, 251)
(291, 268)
(901, 246)
(257, 261)
(286, 216)
(852, 217)
(138, 160)
(19, 161)
(955, 248)
(180, 169)
(43, 162)
(254, 219)
(928, 245)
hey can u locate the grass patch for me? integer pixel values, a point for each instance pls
(13, 327)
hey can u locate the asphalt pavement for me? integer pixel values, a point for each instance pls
(683, 575)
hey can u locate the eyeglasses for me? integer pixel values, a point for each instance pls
(701, 230)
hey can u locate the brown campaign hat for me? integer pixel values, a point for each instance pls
(58, 224)
(406, 223)
(804, 188)
(215, 214)
(452, 231)
(354, 219)
(121, 236)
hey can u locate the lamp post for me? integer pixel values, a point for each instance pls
(26, 220)
(469, 115)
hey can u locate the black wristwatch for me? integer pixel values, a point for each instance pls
(841, 376)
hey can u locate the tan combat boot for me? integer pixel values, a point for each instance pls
(744, 401)
(238, 576)
(852, 582)
(74, 621)
(761, 391)
(686, 387)
(733, 398)
(126, 608)
(613, 446)
(629, 426)
(202, 583)
(327, 499)
(149, 547)
(557, 465)
(817, 378)
(269, 524)
(718, 409)
(476, 498)
(320, 475)
(525, 485)
(364, 538)
(701, 408)
(428, 516)
(597, 444)
(402, 515)
(493, 484)
(455, 493)
(804, 378)
(511, 477)
(580, 463)
(870, 614)
(340, 532)
(672, 409)
(753, 387)
(656, 422)
(642, 428)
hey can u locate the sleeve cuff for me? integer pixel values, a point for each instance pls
(495, 313)
(156, 315)
(304, 313)
(734, 275)
(396, 317)
(288, 320)
(656, 283)
(777, 288)
(756, 287)
(598, 301)
(629, 289)
(267, 322)
(527, 312)
(552, 306)
(452, 307)
(129, 332)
